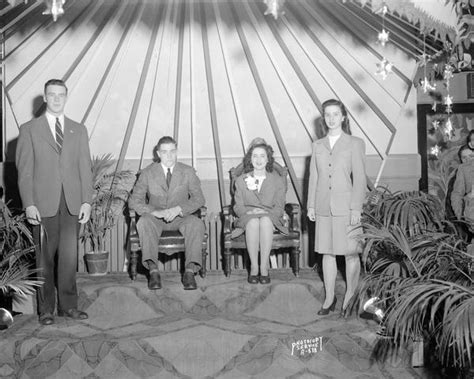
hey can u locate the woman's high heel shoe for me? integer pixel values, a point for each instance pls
(325, 311)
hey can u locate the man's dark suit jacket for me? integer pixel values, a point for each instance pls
(43, 171)
(151, 193)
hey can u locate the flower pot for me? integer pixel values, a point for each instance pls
(97, 262)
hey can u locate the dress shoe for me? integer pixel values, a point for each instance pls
(264, 279)
(46, 319)
(325, 311)
(189, 282)
(154, 281)
(253, 279)
(74, 314)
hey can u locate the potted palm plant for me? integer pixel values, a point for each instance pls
(17, 274)
(420, 269)
(110, 192)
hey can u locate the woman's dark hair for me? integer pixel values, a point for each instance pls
(468, 138)
(345, 123)
(248, 166)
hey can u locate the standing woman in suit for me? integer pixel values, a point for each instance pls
(337, 184)
(259, 204)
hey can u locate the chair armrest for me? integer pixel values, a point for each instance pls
(133, 224)
(201, 212)
(293, 211)
(227, 214)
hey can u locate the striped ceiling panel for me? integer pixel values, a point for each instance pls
(213, 74)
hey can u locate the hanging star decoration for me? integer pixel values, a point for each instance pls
(427, 86)
(448, 129)
(54, 8)
(383, 10)
(434, 150)
(383, 37)
(448, 102)
(435, 124)
(424, 58)
(274, 7)
(384, 67)
(448, 73)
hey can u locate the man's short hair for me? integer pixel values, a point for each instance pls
(54, 82)
(165, 139)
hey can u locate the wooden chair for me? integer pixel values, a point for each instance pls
(281, 242)
(171, 242)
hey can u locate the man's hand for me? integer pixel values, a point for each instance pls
(33, 215)
(169, 214)
(355, 217)
(84, 213)
(172, 213)
(311, 214)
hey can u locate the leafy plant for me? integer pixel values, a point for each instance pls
(109, 197)
(17, 277)
(421, 270)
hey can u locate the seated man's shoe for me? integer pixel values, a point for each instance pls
(154, 281)
(189, 282)
(74, 314)
(46, 319)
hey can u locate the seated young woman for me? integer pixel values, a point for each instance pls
(259, 205)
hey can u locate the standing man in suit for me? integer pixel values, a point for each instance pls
(165, 195)
(55, 182)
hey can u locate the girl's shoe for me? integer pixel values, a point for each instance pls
(265, 279)
(325, 311)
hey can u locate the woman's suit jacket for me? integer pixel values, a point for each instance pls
(337, 179)
(271, 197)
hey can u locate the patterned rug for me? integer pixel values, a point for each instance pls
(225, 329)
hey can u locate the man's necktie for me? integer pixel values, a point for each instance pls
(168, 178)
(59, 135)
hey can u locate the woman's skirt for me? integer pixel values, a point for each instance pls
(335, 235)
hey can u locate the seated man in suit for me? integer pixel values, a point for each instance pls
(165, 195)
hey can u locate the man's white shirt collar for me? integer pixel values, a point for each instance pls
(165, 169)
(52, 122)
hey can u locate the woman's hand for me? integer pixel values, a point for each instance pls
(311, 214)
(256, 211)
(355, 217)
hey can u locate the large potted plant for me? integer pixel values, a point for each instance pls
(17, 274)
(420, 270)
(110, 192)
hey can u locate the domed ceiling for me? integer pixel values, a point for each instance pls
(213, 74)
